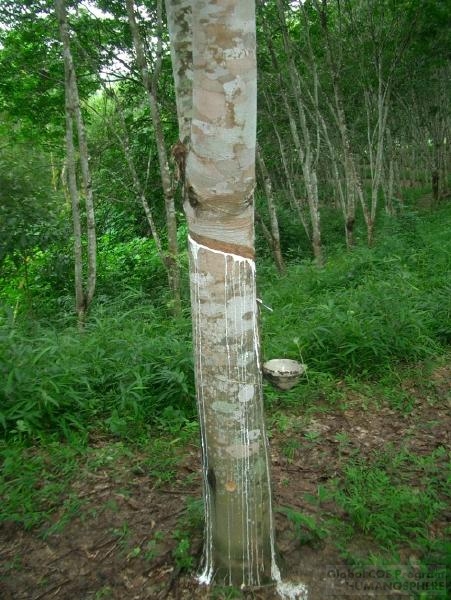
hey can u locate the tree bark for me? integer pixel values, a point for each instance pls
(80, 307)
(353, 187)
(89, 200)
(179, 18)
(308, 155)
(295, 202)
(220, 180)
(124, 141)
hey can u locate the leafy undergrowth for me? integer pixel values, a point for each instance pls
(360, 486)
(367, 310)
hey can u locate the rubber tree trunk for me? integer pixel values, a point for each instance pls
(306, 151)
(83, 298)
(220, 180)
(179, 18)
(80, 307)
(352, 181)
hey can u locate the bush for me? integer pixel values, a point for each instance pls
(122, 373)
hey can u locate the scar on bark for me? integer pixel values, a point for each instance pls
(211, 478)
(224, 247)
(249, 200)
(192, 196)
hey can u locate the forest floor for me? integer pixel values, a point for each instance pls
(128, 526)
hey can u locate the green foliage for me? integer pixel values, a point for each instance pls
(191, 520)
(359, 315)
(31, 213)
(152, 550)
(161, 459)
(34, 483)
(395, 496)
(36, 97)
(31, 69)
(306, 528)
(129, 272)
(181, 552)
(390, 500)
(364, 310)
(124, 371)
(132, 264)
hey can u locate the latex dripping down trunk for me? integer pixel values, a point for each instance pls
(238, 524)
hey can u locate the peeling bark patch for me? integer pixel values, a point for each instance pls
(223, 407)
(192, 197)
(246, 393)
(243, 450)
(211, 478)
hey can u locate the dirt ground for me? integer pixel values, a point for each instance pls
(106, 550)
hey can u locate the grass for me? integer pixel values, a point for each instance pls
(34, 482)
(390, 500)
(378, 512)
(362, 315)
(392, 513)
(367, 309)
(122, 374)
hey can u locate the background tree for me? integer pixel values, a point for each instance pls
(341, 112)
(83, 298)
(150, 85)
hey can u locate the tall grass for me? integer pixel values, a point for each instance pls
(367, 309)
(121, 373)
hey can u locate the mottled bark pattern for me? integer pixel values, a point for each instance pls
(73, 114)
(179, 17)
(220, 167)
(150, 85)
(274, 232)
(220, 179)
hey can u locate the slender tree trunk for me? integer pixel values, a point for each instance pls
(306, 151)
(274, 224)
(376, 151)
(389, 206)
(89, 201)
(295, 202)
(139, 189)
(168, 189)
(340, 199)
(266, 233)
(80, 306)
(352, 181)
(73, 113)
(179, 18)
